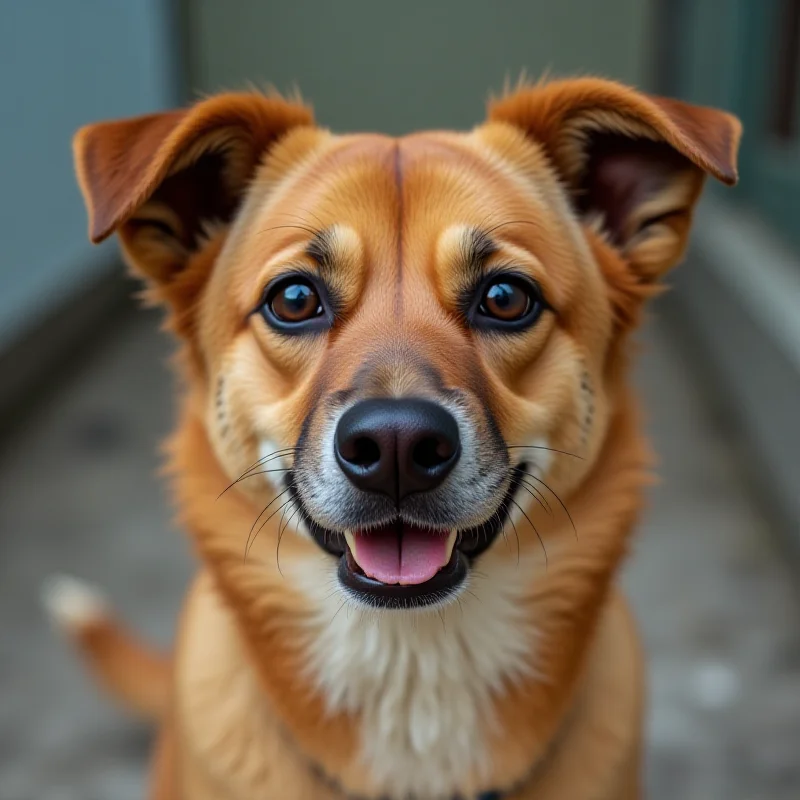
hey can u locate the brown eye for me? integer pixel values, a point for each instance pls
(505, 301)
(508, 302)
(295, 305)
(296, 302)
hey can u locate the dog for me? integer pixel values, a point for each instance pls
(408, 457)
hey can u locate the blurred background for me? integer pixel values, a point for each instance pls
(86, 395)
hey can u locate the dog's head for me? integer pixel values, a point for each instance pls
(409, 341)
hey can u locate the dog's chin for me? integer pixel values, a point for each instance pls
(397, 565)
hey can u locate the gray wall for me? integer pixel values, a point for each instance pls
(397, 66)
(64, 63)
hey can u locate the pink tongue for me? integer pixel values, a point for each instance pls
(388, 557)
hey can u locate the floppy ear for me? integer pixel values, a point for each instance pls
(161, 179)
(633, 163)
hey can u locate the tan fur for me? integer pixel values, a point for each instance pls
(529, 682)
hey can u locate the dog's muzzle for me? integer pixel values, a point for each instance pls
(397, 448)
(411, 483)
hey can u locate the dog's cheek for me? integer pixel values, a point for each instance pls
(231, 431)
(246, 420)
(220, 423)
(587, 402)
(596, 408)
(590, 414)
(221, 411)
(566, 412)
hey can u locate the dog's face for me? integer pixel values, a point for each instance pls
(426, 331)
(399, 347)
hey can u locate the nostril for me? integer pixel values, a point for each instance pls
(431, 452)
(363, 452)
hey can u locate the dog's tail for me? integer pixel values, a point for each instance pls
(133, 673)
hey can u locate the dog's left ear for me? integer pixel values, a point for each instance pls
(633, 163)
(160, 180)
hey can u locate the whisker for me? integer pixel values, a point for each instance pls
(261, 527)
(516, 535)
(460, 606)
(288, 504)
(536, 495)
(280, 508)
(337, 611)
(264, 511)
(307, 211)
(470, 592)
(305, 228)
(499, 517)
(261, 461)
(322, 224)
(281, 531)
(289, 451)
(560, 501)
(512, 222)
(271, 456)
(441, 618)
(264, 472)
(542, 447)
(486, 219)
(541, 542)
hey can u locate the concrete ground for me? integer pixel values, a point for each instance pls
(79, 494)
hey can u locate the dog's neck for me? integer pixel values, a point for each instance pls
(422, 704)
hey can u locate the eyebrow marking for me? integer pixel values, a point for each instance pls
(321, 249)
(478, 247)
(398, 178)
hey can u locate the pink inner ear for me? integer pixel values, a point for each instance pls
(621, 174)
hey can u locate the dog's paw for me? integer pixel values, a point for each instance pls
(71, 603)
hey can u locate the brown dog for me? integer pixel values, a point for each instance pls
(408, 457)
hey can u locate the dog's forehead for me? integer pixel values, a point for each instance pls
(413, 187)
(349, 175)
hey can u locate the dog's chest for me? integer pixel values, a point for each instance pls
(422, 684)
(231, 746)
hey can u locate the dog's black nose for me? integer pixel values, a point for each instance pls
(396, 447)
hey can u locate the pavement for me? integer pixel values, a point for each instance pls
(79, 493)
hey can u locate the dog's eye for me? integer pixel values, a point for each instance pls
(508, 302)
(293, 304)
(505, 301)
(296, 302)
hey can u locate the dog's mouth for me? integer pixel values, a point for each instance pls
(398, 553)
(403, 565)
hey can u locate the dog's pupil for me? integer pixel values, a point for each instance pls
(296, 302)
(506, 301)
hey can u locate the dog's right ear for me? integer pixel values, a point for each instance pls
(633, 164)
(161, 179)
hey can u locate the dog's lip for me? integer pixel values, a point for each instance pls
(471, 542)
(398, 596)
